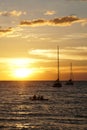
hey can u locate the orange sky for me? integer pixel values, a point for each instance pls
(30, 32)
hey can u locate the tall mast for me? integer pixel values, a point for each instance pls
(57, 83)
(58, 60)
(71, 71)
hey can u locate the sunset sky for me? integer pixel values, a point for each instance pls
(30, 31)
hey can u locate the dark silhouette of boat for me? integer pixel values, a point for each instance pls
(57, 82)
(70, 81)
(38, 98)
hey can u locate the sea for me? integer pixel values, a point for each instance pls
(65, 109)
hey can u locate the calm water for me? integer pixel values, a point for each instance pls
(66, 108)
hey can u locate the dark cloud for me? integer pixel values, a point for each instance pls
(33, 22)
(63, 21)
(5, 30)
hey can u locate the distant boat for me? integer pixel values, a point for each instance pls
(70, 81)
(38, 98)
(57, 82)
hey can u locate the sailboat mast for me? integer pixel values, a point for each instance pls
(58, 60)
(71, 71)
(57, 83)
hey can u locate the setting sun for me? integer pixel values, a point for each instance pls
(22, 72)
(20, 69)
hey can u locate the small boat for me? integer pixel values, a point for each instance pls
(57, 82)
(38, 98)
(70, 81)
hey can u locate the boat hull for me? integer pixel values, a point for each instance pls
(70, 82)
(57, 84)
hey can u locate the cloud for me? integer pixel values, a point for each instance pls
(33, 22)
(75, 53)
(73, 36)
(49, 12)
(12, 13)
(63, 21)
(11, 32)
(43, 53)
(5, 31)
(68, 53)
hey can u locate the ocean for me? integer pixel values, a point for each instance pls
(65, 109)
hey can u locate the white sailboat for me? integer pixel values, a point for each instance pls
(70, 81)
(57, 82)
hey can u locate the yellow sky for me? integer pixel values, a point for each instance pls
(30, 32)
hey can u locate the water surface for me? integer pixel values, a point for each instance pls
(66, 108)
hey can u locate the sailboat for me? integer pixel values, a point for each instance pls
(57, 82)
(70, 81)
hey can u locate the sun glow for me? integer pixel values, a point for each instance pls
(22, 72)
(20, 69)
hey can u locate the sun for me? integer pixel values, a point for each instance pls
(20, 68)
(22, 73)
